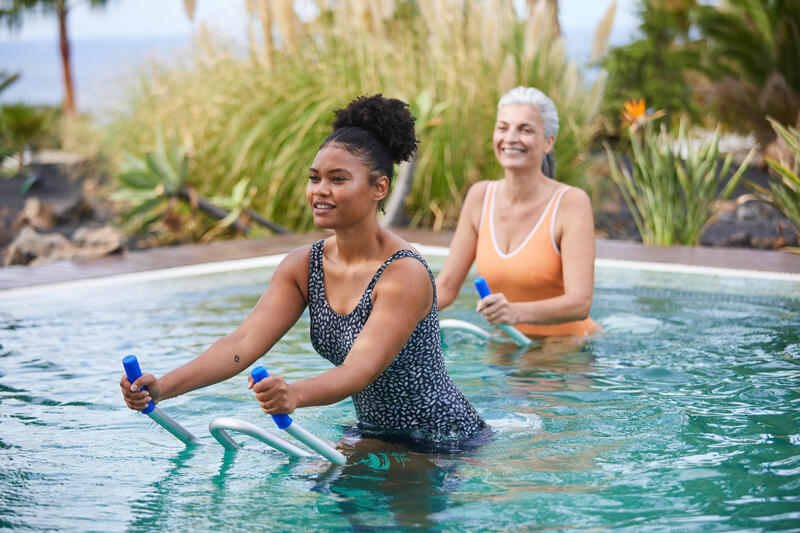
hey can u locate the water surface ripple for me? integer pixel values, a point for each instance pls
(684, 414)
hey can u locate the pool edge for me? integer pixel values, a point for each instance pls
(231, 255)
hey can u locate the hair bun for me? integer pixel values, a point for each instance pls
(387, 118)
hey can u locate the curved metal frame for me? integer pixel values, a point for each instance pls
(219, 427)
(167, 422)
(460, 325)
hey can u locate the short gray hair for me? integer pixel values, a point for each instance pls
(543, 105)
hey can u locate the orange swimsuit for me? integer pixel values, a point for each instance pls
(531, 272)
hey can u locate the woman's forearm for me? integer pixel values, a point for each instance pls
(557, 310)
(329, 387)
(446, 293)
(224, 359)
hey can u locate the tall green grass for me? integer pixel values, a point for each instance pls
(784, 189)
(673, 183)
(261, 113)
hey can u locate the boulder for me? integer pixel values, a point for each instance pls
(32, 248)
(35, 213)
(97, 242)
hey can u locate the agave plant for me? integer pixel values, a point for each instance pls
(673, 183)
(150, 184)
(237, 204)
(784, 190)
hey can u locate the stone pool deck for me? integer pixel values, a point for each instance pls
(176, 256)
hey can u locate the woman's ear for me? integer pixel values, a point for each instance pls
(549, 143)
(380, 188)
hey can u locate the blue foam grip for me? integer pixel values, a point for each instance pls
(483, 287)
(132, 370)
(511, 331)
(282, 421)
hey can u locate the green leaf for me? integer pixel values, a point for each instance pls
(783, 171)
(161, 169)
(138, 180)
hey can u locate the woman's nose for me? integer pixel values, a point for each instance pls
(321, 188)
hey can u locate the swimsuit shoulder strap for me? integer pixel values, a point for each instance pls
(315, 279)
(394, 257)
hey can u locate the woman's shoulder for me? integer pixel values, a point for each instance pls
(476, 194)
(394, 246)
(575, 198)
(479, 188)
(297, 258)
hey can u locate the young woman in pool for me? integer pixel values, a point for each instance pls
(371, 298)
(531, 236)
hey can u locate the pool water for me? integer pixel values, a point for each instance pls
(683, 414)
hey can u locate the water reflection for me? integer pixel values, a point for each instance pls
(388, 485)
(553, 365)
(152, 509)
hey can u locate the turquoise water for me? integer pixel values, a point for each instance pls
(682, 415)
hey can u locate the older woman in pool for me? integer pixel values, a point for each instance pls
(371, 299)
(531, 236)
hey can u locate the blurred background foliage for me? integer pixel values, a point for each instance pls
(733, 61)
(256, 114)
(262, 115)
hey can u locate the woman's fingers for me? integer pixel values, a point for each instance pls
(134, 397)
(494, 308)
(272, 394)
(487, 302)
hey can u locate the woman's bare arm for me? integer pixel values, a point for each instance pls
(462, 247)
(276, 311)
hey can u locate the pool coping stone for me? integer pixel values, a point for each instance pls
(191, 254)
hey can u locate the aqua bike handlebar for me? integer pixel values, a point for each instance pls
(133, 372)
(294, 429)
(511, 331)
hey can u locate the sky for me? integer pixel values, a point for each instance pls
(166, 18)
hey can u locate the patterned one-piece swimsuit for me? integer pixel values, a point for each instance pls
(414, 399)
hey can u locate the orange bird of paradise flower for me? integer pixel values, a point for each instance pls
(635, 114)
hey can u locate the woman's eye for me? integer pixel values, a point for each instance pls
(312, 177)
(338, 178)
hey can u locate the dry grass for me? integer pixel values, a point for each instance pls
(262, 112)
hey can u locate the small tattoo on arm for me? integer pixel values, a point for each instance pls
(236, 358)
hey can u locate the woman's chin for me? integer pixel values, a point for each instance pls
(517, 166)
(324, 224)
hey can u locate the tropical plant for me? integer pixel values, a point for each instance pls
(12, 13)
(673, 183)
(154, 185)
(20, 125)
(237, 204)
(6, 79)
(655, 65)
(750, 51)
(151, 184)
(784, 190)
(262, 116)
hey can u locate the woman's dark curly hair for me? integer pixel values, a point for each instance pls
(380, 131)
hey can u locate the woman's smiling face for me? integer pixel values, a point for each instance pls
(339, 190)
(519, 140)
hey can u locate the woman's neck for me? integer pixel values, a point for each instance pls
(521, 186)
(358, 243)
